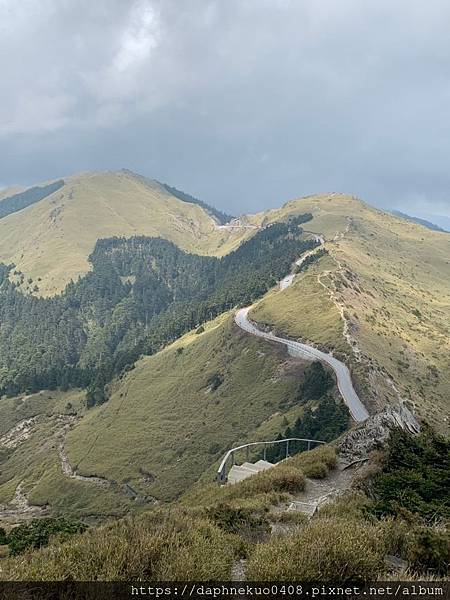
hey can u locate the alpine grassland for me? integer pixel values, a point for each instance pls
(211, 528)
(380, 295)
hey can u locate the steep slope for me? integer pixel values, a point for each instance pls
(378, 296)
(419, 221)
(51, 240)
(32, 481)
(383, 290)
(141, 294)
(21, 200)
(166, 423)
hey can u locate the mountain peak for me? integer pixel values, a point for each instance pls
(63, 221)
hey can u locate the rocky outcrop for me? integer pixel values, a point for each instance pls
(359, 442)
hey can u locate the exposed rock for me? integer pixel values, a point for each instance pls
(395, 564)
(359, 442)
(238, 571)
(19, 433)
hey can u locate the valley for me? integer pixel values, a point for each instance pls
(141, 337)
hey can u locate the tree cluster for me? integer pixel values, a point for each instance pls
(141, 294)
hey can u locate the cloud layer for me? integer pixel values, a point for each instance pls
(245, 103)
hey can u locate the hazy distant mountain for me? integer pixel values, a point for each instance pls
(419, 221)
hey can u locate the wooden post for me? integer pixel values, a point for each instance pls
(265, 451)
(309, 444)
(287, 448)
(247, 453)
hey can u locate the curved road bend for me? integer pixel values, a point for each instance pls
(350, 397)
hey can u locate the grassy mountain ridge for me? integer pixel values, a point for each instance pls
(10, 191)
(149, 435)
(388, 287)
(51, 240)
(221, 217)
(378, 296)
(141, 294)
(350, 537)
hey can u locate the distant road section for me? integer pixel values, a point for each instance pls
(287, 281)
(344, 381)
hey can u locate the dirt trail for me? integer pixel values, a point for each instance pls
(68, 470)
(19, 509)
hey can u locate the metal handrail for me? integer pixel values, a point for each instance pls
(221, 477)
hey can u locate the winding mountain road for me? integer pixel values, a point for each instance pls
(344, 380)
(286, 281)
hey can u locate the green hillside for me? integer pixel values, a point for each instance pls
(388, 281)
(225, 533)
(21, 200)
(141, 294)
(10, 191)
(419, 221)
(51, 240)
(166, 423)
(140, 412)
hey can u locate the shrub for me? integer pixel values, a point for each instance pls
(318, 470)
(242, 521)
(214, 448)
(37, 533)
(215, 381)
(260, 502)
(159, 546)
(278, 479)
(350, 505)
(3, 537)
(429, 550)
(325, 550)
(290, 517)
(307, 461)
(415, 478)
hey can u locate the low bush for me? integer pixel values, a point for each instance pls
(291, 517)
(350, 505)
(325, 550)
(429, 551)
(38, 532)
(415, 477)
(250, 525)
(308, 461)
(318, 470)
(3, 537)
(278, 479)
(162, 546)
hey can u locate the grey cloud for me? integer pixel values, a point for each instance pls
(245, 103)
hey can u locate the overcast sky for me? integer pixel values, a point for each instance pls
(243, 103)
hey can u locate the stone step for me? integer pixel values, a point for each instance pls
(241, 472)
(307, 508)
(265, 464)
(251, 466)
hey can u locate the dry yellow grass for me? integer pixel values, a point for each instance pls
(53, 238)
(322, 550)
(390, 280)
(160, 546)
